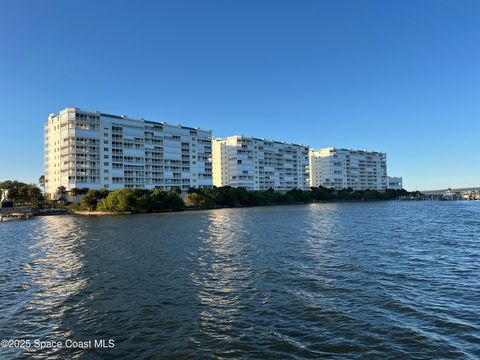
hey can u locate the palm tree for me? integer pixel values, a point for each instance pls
(74, 192)
(23, 193)
(61, 191)
(42, 182)
(33, 193)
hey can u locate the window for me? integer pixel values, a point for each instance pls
(105, 156)
(105, 163)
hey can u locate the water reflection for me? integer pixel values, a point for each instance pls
(55, 263)
(321, 224)
(223, 273)
(46, 271)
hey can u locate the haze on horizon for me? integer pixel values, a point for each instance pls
(400, 77)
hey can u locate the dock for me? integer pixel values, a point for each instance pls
(28, 213)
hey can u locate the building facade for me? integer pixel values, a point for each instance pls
(345, 168)
(87, 149)
(259, 164)
(394, 183)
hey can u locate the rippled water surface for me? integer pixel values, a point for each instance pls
(382, 280)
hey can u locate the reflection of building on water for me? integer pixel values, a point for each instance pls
(223, 265)
(55, 266)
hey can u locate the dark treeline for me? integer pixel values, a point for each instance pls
(128, 200)
(22, 193)
(139, 200)
(229, 196)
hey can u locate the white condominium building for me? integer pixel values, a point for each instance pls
(346, 168)
(96, 150)
(394, 183)
(259, 164)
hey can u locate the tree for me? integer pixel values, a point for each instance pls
(157, 199)
(226, 196)
(21, 192)
(74, 192)
(42, 182)
(176, 190)
(89, 200)
(33, 193)
(103, 193)
(83, 191)
(61, 192)
(193, 199)
(200, 197)
(173, 201)
(119, 200)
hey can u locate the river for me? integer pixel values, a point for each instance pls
(386, 280)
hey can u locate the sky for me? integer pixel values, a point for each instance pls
(402, 77)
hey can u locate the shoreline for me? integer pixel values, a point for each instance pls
(193, 208)
(99, 213)
(61, 212)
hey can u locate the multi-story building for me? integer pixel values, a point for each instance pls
(259, 164)
(394, 183)
(346, 168)
(97, 150)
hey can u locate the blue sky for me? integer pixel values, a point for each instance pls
(396, 76)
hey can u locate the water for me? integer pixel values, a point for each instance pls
(386, 280)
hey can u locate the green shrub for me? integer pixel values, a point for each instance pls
(89, 200)
(119, 200)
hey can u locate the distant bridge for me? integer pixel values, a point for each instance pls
(457, 190)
